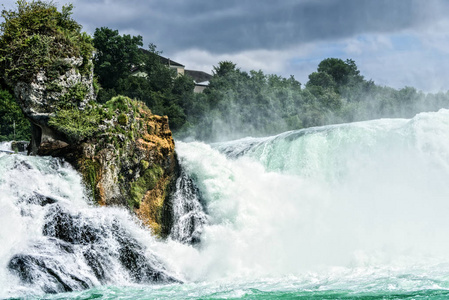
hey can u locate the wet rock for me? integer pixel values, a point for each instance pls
(69, 228)
(19, 146)
(45, 272)
(40, 199)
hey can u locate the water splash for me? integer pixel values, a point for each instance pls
(189, 217)
(54, 241)
(362, 194)
(344, 210)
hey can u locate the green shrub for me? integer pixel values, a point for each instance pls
(120, 103)
(37, 36)
(77, 124)
(74, 96)
(122, 119)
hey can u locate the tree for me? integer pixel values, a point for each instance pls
(36, 36)
(321, 79)
(123, 68)
(13, 124)
(341, 71)
(114, 59)
(224, 67)
(159, 76)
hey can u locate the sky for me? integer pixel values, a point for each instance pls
(395, 43)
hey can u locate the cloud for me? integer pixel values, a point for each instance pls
(408, 58)
(396, 43)
(286, 62)
(234, 26)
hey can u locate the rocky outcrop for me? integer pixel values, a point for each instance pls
(131, 162)
(61, 86)
(124, 152)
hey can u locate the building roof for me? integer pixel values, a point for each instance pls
(164, 60)
(169, 62)
(198, 76)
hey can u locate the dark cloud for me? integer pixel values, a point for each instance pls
(394, 42)
(233, 26)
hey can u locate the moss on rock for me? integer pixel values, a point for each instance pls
(130, 172)
(90, 169)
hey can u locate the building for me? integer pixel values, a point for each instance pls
(200, 78)
(180, 69)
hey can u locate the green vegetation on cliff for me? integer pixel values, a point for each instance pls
(39, 43)
(128, 158)
(35, 36)
(78, 124)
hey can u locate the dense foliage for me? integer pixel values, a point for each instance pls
(13, 125)
(78, 124)
(36, 36)
(114, 59)
(123, 68)
(237, 103)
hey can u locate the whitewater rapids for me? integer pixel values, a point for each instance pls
(350, 195)
(359, 208)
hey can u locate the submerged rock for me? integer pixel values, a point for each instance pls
(79, 251)
(49, 273)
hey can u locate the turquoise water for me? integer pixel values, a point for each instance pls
(353, 211)
(287, 288)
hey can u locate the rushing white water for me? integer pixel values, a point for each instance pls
(358, 207)
(5, 146)
(189, 217)
(361, 194)
(53, 240)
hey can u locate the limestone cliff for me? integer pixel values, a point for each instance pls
(59, 87)
(131, 162)
(124, 152)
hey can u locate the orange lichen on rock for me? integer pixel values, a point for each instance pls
(130, 163)
(152, 207)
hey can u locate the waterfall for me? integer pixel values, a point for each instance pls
(358, 194)
(54, 240)
(355, 209)
(188, 212)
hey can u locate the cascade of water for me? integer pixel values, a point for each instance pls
(356, 194)
(5, 146)
(188, 213)
(356, 199)
(54, 241)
